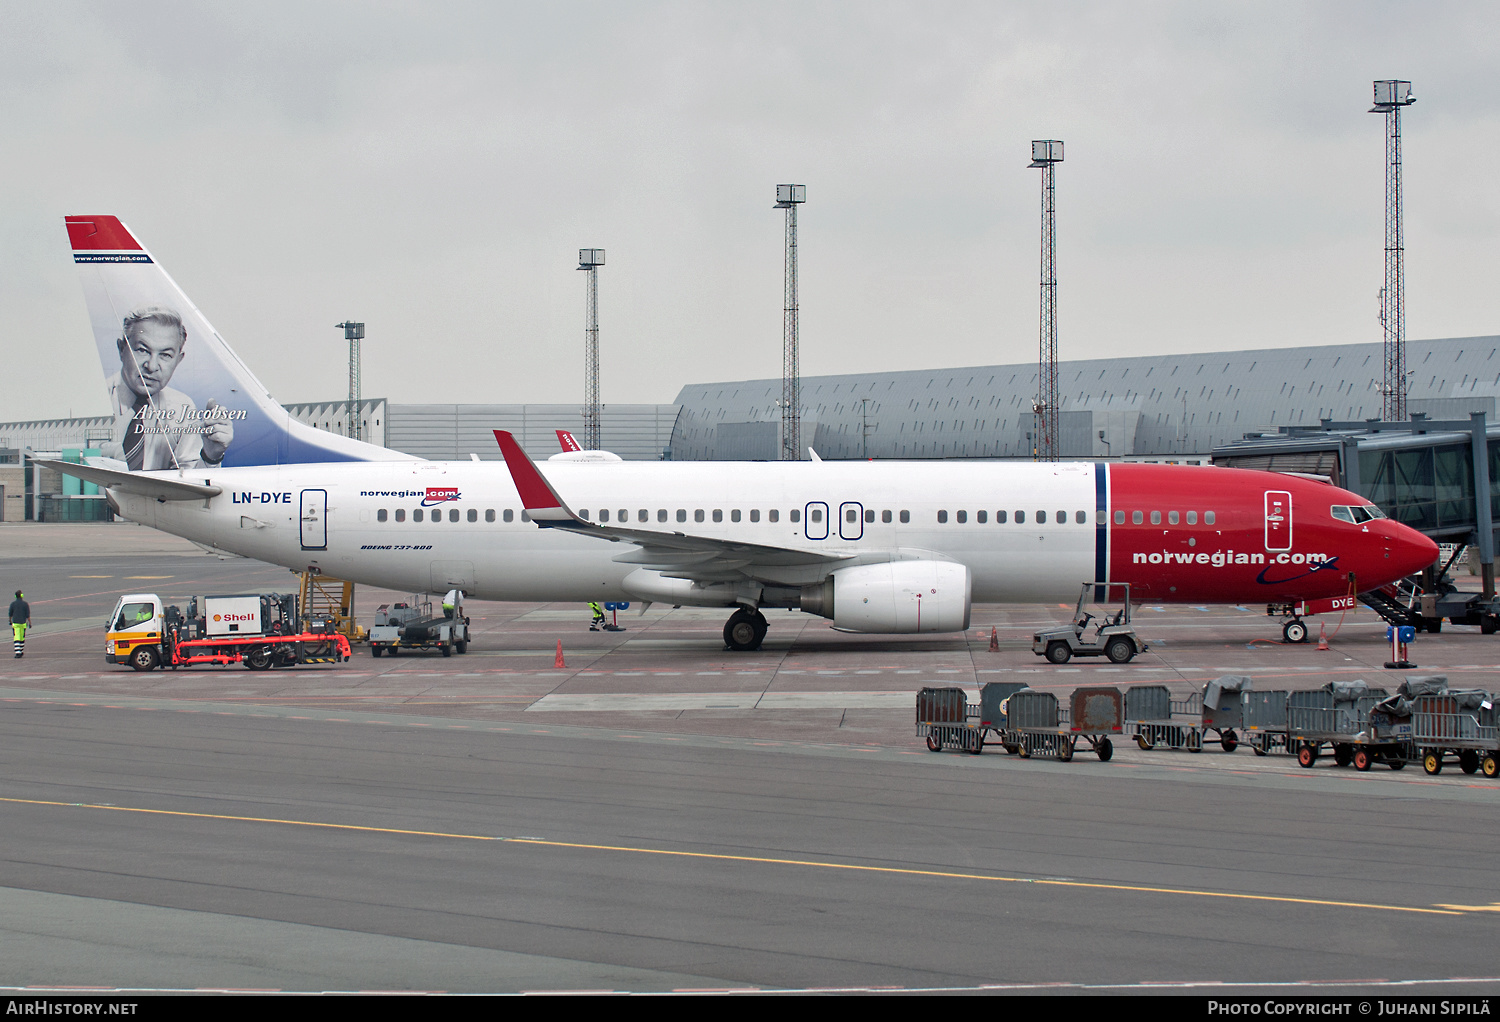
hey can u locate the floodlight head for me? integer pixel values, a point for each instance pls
(1392, 94)
(789, 195)
(352, 331)
(1046, 151)
(588, 258)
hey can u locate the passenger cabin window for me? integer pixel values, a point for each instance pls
(718, 515)
(1062, 518)
(489, 514)
(510, 515)
(624, 515)
(942, 517)
(380, 515)
(1156, 518)
(870, 517)
(416, 515)
(755, 514)
(794, 515)
(682, 514)
(661, 514)
(1136, 518)
(1171, 517)
(1192, 518)
(734, 515)
(851, 515)
(885, 517)
(1119, 517)
(604, 514)
(905, 517)
(1208, 518)
(698, 515)
(816, 515)
(981, 517)
(1000, 517)
(473, 514)
(401, 514)
(1082, 517)
(583, 513)
(643, 515)
(453, 514)
(1041, 518)
(961, 517)
(1020, 517)
(773, 514)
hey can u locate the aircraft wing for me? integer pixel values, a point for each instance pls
(140, 483)
(674, 554)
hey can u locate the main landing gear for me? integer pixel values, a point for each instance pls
(745, 630)
(1294, 630)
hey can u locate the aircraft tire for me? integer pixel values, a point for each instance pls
(1294, 631)
(744, 630)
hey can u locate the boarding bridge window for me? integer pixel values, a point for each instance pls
(942, 518)
(453, 514)
(510, 515)
(380, 515)
(1136, 518)
(416, 515)
(1156, 518)
(1192, 518)
(1171, 517)
(773, 515)
(885, 517)
(1001, 517)
(401, 514)
(1208, 518)
(489, 514)
(473, 514)
(794, 515)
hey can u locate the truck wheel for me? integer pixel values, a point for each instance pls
(1307, 755)
(447, 649)
(1362, 759)
(933, 745)
(1229, 741)
(1468, 761)
(1435, 626)
(1120, 650)
(462, 646)
(374, 650)
(1432, 761)
(1489, 624)
(144, 658)
(258, 660)
(1489, 766)
(1058, 652)
(1105, 750)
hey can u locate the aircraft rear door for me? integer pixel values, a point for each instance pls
(816, 524)
(851, 520)
(314, 514)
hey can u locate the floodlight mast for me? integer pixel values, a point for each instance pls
(353, 333)
(589, 260)
(1390, 97)
(1046, 154)
(789, 197)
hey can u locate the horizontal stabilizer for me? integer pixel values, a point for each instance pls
(139, 483)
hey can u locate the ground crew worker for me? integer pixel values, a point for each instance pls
(20, 620)
(598, 617)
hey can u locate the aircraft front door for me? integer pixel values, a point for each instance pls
(851, 520)
(314, 514)
(1278, 520)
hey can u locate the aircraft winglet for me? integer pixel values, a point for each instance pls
(537, 495)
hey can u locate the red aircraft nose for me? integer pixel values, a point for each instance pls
(1410, 550)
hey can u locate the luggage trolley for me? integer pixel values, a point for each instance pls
(1155, 718)
(1458, 725)
(947, 719)
(1338, 714)
(1264, 727)
(1035, 725)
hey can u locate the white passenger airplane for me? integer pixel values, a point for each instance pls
(201, 450)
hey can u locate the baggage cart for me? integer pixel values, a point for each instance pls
(1339, 715)
(1451, 726)
(1035, 724)
(947, 719)
(1264, 727)
(1156, 719)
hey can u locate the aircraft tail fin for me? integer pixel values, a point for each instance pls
(180, 396)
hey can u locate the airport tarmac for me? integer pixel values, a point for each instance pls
(660, 814)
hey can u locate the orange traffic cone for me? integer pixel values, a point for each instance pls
(994, 641)
(559, 661)
(1322, 636)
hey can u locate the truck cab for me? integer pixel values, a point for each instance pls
(134, 631)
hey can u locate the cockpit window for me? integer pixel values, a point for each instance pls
(1357, 514)
(1373, 511)
(1342, 513)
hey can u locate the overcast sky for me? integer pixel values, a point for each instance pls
(433, 168)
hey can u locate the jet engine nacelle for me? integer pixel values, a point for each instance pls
(895, 598)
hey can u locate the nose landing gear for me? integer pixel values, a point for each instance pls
(745, 630)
